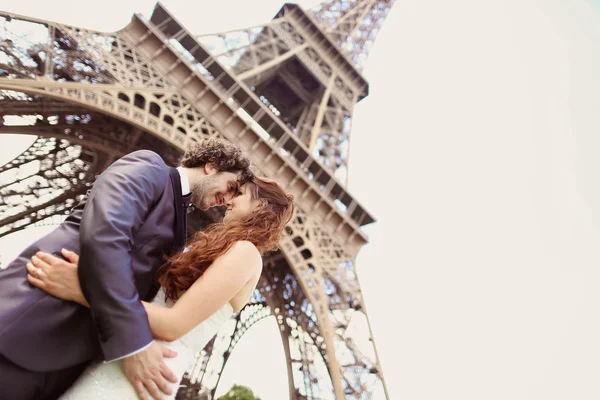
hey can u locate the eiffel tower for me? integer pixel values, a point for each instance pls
(284, 91)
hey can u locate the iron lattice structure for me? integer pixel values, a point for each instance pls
(284, 91)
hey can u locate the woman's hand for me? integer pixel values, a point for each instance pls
(56, 276)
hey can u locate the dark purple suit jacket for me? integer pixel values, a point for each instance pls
(122, 231)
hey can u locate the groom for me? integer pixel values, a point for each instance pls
(131, 218)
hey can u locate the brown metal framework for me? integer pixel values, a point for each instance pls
(283, 91)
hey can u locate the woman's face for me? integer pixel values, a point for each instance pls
(242, 205)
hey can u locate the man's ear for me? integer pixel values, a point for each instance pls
(210, 168)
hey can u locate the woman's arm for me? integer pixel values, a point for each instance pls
(224, 279)
(220, 283)
(158, 316)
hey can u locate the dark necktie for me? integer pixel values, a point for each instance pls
(181, 203)
(187, 207)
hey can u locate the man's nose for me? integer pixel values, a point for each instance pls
(228, 196)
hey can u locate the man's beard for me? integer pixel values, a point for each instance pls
(198, 198)
(200, 192)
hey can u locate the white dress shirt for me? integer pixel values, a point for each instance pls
(185, 184)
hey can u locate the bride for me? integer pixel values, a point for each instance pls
(201, 287)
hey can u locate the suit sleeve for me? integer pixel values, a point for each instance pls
(115, 209)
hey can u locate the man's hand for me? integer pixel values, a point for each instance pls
(148, 370)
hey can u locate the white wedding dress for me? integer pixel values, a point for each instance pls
(102, 381)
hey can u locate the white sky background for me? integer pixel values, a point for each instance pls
(478, 152)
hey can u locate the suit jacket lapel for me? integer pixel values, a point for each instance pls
(180, 227)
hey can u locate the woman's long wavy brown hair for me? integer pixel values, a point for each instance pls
(263, 228)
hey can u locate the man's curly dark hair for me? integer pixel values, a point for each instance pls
(223, 154)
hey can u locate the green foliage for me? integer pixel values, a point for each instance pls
(239, 392)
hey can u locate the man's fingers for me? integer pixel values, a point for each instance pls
(70, 255)
(164, 386)
(167, 352)
(139, 389)
(167, 373)
(152, 388)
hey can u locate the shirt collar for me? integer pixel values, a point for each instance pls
(185, 185)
